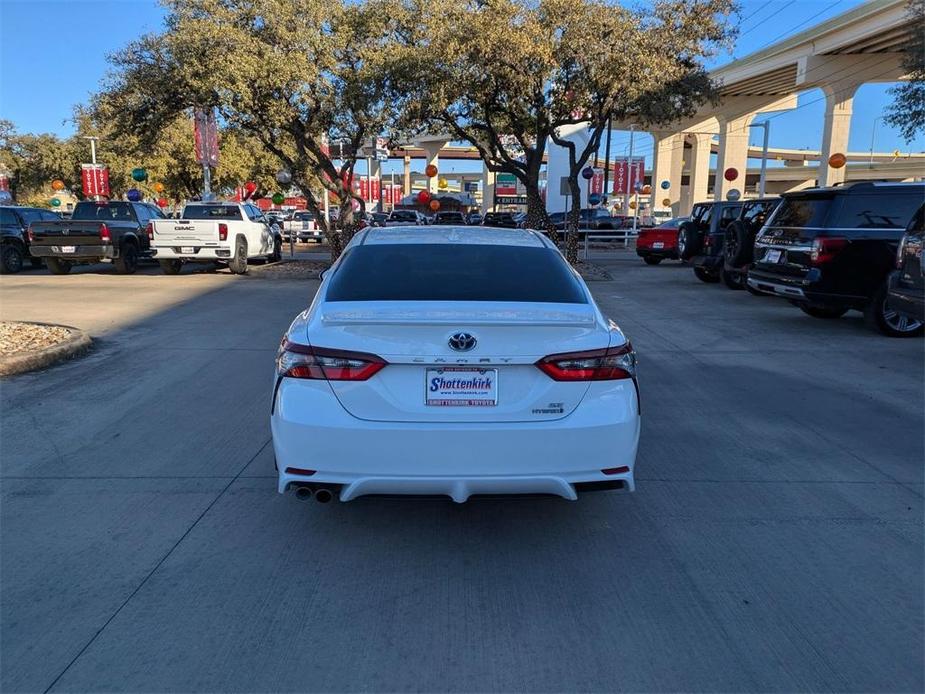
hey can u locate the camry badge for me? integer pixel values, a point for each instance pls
(462, 342)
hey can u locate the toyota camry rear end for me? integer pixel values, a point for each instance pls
(453, 361)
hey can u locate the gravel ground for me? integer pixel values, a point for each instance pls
(591, 272)
(16, 338)
(290, 270)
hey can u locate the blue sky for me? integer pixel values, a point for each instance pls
(53, 55)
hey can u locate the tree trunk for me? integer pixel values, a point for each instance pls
(537, 217)
(574, 218)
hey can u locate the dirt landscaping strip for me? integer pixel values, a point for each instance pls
(28, 346)
(289, 270)
(591, 272)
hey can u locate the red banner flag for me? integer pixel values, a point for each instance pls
(95, 180)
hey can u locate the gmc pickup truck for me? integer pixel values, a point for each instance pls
(209, 232)
(97, 231)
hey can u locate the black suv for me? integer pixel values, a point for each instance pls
(14, 236)
(700, 238)
(739, 240)
(597, 218)
(907, 283)
(829, 250)
(499, 219)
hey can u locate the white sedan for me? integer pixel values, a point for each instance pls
(453, 361)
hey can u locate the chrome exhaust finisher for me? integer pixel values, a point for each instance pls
(303, 493)
(323, 496)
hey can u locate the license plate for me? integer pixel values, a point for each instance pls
(772, 256)
(455, 386)
(187, 249)
(68, 249)
(658, 244)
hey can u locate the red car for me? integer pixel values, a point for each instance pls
(655, 244)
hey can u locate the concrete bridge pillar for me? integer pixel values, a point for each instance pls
(666, 166)
(488, 188)
(432, 150)
(839, 100)
(407, 175)
(733, 153)
(698, 179)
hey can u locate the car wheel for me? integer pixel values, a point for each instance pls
(127, 262)
(737, 249)
(825, 313)
(879, 316)
(57, 266)
(277, 254)
(705, 275)
(11, 259)
(238, 264)
(651, 259)
(688, 241)
(170, 267)
(733, 279)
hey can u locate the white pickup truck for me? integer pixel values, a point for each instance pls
(227, 232)
(303, 225)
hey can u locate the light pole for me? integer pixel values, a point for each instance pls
(873, 134)
(629, 175)
(762, 180)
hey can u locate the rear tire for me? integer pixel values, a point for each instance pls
(238, 264)
(733, 279)
(57, 266)
(688, 241)
(170, 267)
(737, 247)
(651, 259)
(127, 262)
(11, 259)
(705, 275)
(880, 317)
(824, 313)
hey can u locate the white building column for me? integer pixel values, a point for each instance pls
(733, 153)
(839, 100)
(699, 171)
(667, 162)
(407, 175)
(488, 188)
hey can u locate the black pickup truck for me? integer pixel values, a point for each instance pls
(97, 231)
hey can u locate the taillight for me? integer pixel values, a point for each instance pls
(608, 364)
(151, 231)
(222, 232)
(31, 234)
(105, 236)
(825, 248)
(303, 361)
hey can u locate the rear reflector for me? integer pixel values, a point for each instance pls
(304, 361)
(299, 471)
(609, 364)
(616, 470)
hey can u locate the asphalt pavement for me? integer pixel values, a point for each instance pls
(775, 541)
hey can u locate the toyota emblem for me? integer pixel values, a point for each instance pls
(462, 342)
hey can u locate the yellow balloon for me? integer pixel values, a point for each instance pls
(666, 202)
(442, 183)
(159, 187)
(632, 204)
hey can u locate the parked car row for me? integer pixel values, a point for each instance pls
(825, 250)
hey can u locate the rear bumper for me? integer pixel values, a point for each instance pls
(804, 291)
(80, 252)
(199, 253)
(908, 302)
(312, 431)
(707, 261)
(671, 253)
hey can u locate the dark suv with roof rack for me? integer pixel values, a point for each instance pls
(830, 250)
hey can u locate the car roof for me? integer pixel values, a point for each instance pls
(456, 234)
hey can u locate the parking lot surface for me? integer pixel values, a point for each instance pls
(774, 542)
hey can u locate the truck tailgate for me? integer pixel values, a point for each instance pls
(168, 232)
(65, 232)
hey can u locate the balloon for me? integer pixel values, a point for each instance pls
(442, 183)
(632, 204)
(278, 198)
(431, 171)
(158, 187)
(731, 174)
(595, 198)
(133, 194)
(57, 184)
(434, 205)
(646, 190)
(423, 197)
(666, 202)
(838, 160)
(139, 174)
(587, 173)
(162, 202)
(250, 187)
(665, 185)
(283, 177)
(733, 194)
(55, 202)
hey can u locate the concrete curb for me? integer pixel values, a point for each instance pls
(78, 343)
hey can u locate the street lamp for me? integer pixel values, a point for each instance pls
(873, 134)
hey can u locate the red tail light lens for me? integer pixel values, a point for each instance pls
(825, 248)
(609, 364)
(31, 234)
(222, 232)
(105, 236)
(150, 231)
(304, 361)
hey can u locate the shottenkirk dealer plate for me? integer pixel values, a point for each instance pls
(461, 386)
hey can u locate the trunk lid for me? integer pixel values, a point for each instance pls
(415, 341)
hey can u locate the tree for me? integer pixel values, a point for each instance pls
(907, 112)
(496, 71)
(292, 74)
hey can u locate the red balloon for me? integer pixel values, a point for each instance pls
(162, 202)
(250, 187)
(423, 197)
(731, 174)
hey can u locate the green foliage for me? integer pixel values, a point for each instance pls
(907, 112)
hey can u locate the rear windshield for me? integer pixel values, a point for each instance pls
(802, 212)
(232, 212)
(303, 216)
(452, 272)
(876, 211)
(105, 211)
(403, 217)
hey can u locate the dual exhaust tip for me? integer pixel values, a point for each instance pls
(322, 495)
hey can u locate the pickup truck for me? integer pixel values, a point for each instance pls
(14, 235)
(97, 231)
(208, 232)
(303, 225)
